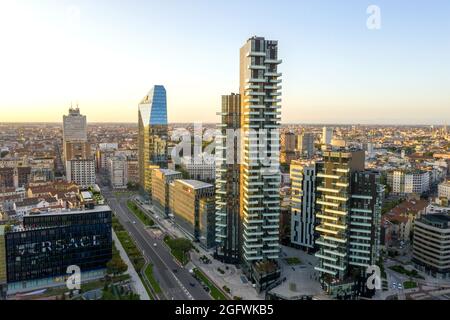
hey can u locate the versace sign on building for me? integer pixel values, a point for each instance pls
(49, 243)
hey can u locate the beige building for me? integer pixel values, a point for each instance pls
(431, 249)
(192, 205)
(161, 179)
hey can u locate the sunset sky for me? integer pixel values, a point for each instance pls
(106, 54)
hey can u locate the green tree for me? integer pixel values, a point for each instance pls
(116, 266)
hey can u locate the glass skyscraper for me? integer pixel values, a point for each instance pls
(153, 135)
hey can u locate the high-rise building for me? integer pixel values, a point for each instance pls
(228, 223)
(260, 176)
(303, 203)
(3, 287)
(349, 202)
(305, 145)
(192, 205)
(153, 136)
(74, 126)
(288, 145)
(117, 169)
(327, 135)
(80, 164)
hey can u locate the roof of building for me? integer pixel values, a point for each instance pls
(440, 218)
(196, 184)
(169, 172)
(409, 206)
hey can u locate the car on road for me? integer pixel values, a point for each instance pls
(134, 222)
(155, 244)
(175, 270)
(192, 284)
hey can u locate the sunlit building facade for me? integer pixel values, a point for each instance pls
(153, 136)
(228, 224)
(260, 176)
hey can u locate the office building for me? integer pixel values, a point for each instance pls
(260, 176)
(153, 136)
(431, 250)
(327, 135)
(305, 145)
(349, 203)
(228, 223)
(74, 126)
(303, 203)
(39, 251)
(79, 162)
(161, 179)
(192, 205)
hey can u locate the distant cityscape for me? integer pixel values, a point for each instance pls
(246, 208)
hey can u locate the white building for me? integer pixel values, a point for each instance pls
(201, 168)
(117, 169)
(409, 182)
(303, 199)
(444, 190)
(81, 172)
(327, 135)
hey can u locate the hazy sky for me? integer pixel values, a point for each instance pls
(107, 54)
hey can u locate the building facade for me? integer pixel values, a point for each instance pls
(327, 135)
(431, 249)
(303, 203)
(260, 175)
(228, 223)
(305, 145)
(81, 172)
(192, 206)
(39, 252)
(161, 179)
(444, 190)
(404, 182)
(153, 136)
(349, 220)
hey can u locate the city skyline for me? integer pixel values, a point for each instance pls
(333, 65)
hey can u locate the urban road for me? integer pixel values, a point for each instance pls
(176, 282)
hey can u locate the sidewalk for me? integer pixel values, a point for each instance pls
(135, 279)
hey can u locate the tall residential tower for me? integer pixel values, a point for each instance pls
(260, 175)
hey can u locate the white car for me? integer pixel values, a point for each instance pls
(155, 244)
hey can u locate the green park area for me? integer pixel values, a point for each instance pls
(179, 248)
(214, 291)
(146, 220)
